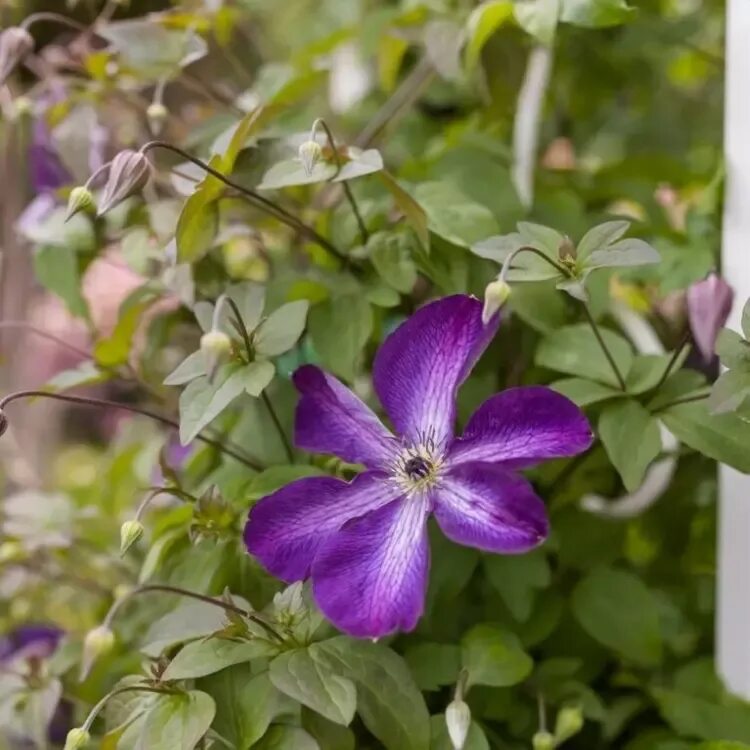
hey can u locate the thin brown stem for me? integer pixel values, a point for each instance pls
(279, 428)
(86, 401)
(54, 18)
(673, 360)
(22, 325)
(603, 345)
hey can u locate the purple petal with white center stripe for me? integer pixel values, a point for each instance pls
(331, 419)
(490, 508)
(284, 530)
(370, 578)
(521, 427)
(420, 366)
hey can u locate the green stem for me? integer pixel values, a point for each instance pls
(603, 345)
(673, 360)
(279, 428)
(686, 400)
(117, 691)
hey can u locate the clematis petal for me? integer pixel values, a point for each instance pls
(285, 529)
(370, 578)
(331, 419)
(490, 508)
(418, 369)
(521, 427)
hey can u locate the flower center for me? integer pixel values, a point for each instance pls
(417, 468)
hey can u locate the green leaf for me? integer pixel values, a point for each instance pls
(517, 578)
(453, 216)
(596, 13)
(585, 392)
(733, 350)
(539, 18)
(197, 226)
(246, 704)
(390, 255)
(575, 350)
(388, 701)
(56, 268)
(723, 437)
(648, 369)
(483, 22)
(115, 350)
(391, 51)
(311, 683)
(627, 252)
(329, 736)
(434, 664)
(680, 384)
(542, 238)
(210, 655)
(290, 172)
(177, 722)
(190, 619)
(192, 367)
(630, 436)
(359, 164)
(339, 328)
(250, 299)
(494, 657)
(722, 745)
(283, 737)
(475, 740)
(410, 208)
(600, 237)
(616, 609)
(87, 373)
(274, 477)
(281, 330)
(729, 391)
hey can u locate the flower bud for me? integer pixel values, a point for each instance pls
(156, 114)
(495, 296)
(128, 174)
(458, 722)
(130, 533)
(709, 303)
(543, 741)
(98, 642)
(567, 250)
(309, 154)
(215, 347)
(80, 199)
(568, 723)
(76, 739)
(15, 44)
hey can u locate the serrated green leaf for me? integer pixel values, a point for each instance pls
(311, 683)
(493, 656)
(618, 610)
(388, 701)
(630, 436)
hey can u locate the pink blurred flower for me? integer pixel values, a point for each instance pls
(709, 303)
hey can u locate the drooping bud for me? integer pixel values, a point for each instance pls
(495, 296)
(543, 741)
(568, 723)
(567, 250)
(458, 722)
(157, 115)
(128, 174)
(76, 739)
(130, 533)
(215, 347)
(309, 154)
(15, 44)
(80, 199)
(97, 643)
(709, 303)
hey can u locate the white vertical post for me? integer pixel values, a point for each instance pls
(733, 615)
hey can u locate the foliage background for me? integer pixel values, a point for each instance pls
(613, 616)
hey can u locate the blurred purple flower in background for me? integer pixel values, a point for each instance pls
(709, 303)
(46, 169)
(364, 543)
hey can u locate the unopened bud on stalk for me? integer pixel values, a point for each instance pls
(80, 199)
(128, 174)
(157, 115)
(458, 722)
(130, 533)
(495, 296)
(568, 723)
(309, 154)
(76, 739)
(567, 250)
(543, 741)
(215, 347)
(98, 642)
(15, 44)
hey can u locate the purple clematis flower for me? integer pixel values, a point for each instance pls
(709, 303)
(364, 543)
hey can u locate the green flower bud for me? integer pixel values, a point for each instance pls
(568, 723)
(130, 533)
(495, 296)
(458, 722)
(15, 44)
(543, 741)
(128, 174)
(156, 114)
(309, 154)
(76, 739)
(97, 643)
(80, 199)
(215, 347)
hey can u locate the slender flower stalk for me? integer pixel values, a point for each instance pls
(86, 401)
(673, 360)
(320, 122)
(603, 345)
